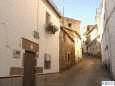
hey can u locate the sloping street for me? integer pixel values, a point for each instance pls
(89, 72)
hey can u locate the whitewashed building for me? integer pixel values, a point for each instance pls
(108, 37)
(23, 27)
(83, 37)
(78, 49)
(91, 44)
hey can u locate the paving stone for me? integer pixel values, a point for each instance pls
(89, 72)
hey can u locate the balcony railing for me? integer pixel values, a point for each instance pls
(51, 29)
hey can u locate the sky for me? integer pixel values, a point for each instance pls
(84, 10)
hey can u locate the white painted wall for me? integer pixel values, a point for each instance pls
(93, 34)
(18, 18)
(112, 41)
(48, 43)
(109, 35)
(101, 20)
(105, 43)
(78, 49)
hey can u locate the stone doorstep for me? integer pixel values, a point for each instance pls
(55, 84)
(51, 77)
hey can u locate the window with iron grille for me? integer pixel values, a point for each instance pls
(36, 34)
(47, 18)
(47, 61)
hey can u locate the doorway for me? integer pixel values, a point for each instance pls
(29, 68)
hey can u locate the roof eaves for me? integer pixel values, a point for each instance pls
(72, 19)
(53, 5)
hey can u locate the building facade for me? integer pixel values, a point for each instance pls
(67, 49)
(72, 24)
(29, 26)
(92, 44)
(70, 43)
(107, 42)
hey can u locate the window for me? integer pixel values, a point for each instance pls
(36, 34)
(47, 18)
(64, 37)
(16, 54)
(87, 48)
(106, 48)
(104, 16)
(47, 61)
(69, 25)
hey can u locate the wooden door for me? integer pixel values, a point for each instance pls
(29, 69)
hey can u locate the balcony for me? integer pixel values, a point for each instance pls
(51, 28)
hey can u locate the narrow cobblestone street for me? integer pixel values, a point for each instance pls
(89, 72)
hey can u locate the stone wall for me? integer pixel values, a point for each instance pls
(75, 24)
(67, 52)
